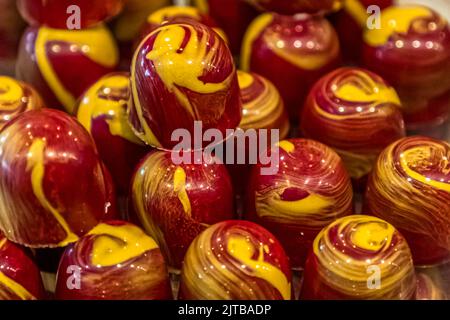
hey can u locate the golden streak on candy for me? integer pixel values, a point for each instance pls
(243, 250)
(186, 67)
(357, 10)
(179, 186)
(212, 282)
(101, 49)
(93, 106)
(10, 93)
(162, 15)
(413, 155)
(19, 290)
(245, 79)
(253, 32)
(347, 273)
(35, 164)
(286, 146)
(395, 20)
(116, 244)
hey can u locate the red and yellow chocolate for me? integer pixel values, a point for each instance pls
(411, 51)
(182, 73)
(410, 188)
(309, 190)
(16, 97)
(53, 186)
(235, 260)
(19, 276)
(359, 257)
(115, 261)
(102, 110)
(62, 64)
(174, 203)
(355, 112)
(292, 52)
(58, 13)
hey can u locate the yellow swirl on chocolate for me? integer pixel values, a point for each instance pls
(309, 53)
(179, 186)
(327, 188)
(12, 285)
(215, 267)
(145, 185)
(116, 244)
(16, 97)
(396, 20)
(36, 165)
(358, 112)
(108, 97)
(262, 105)
(410, 188)
(345, 250)
(243, 250)
(95, 43)
(253, 32)
(357, 10)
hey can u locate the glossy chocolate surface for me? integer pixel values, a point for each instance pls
(174, 203)
(410, 188)
(236, 260)
(53, 187)
(359, 257)
(291, 51)
(309, 190)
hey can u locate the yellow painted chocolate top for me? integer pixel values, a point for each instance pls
(372, 235)
(243, 250)
(116, 244)
(286, 146)
(179, 186)
(395, 20)
(245, 79)
(95, 43)
(94, 105)
(10, 91)
(379, 92)
(36, 164)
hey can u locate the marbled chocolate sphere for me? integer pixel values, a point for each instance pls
(16, 97)
(53, 186)
(102, 110)
(411, 51)
(410, 188)
(114, 261)
(19, 276)
(359, 257)
(175, 202)
(355, 112)
(291, 51)
(57, 13)
(308, 189)
(235, 260)
(290, 7)
(62, 64)
(182, 73)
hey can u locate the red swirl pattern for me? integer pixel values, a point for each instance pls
(115, 261)
(355, 112)
(43, 153)
(236, 260)
(359, 257)
(181, 73)
(19, 276)
(16, 97)
(410, 188)
(310, 190)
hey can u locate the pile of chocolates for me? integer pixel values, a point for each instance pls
(351, 199)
